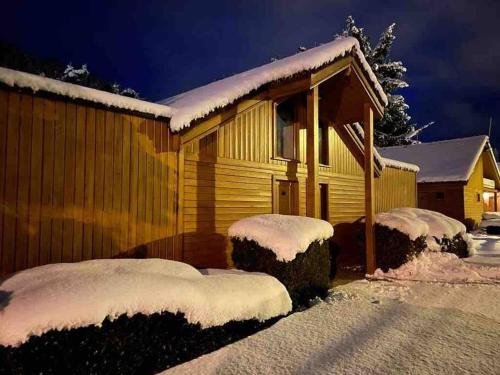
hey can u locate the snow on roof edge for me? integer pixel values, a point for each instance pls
(15, 78)
(392, 163)
(201, 101)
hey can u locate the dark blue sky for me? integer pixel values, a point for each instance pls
(450, 47)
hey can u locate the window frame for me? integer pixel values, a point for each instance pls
(296, 132)
(326, 142)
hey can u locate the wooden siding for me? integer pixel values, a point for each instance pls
(395, 188)
(474, 207)
(80, 182)
(230, 173)
(451, 202)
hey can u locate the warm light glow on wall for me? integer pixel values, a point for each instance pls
(487, 196)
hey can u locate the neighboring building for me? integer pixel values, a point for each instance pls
(86, 174)
(458, 177)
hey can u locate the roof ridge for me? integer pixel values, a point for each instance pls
(434, 142)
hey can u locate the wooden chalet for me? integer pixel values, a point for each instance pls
(458, 177)
(86, 174)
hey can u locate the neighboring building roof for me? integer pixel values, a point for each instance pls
(14, 78)
(443, 161)
(201, 101)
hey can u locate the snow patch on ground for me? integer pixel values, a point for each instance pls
(441, 267)
(285, 235)
(70, 295)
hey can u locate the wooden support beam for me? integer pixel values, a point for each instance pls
(312, 188)
(179, 238)
(369, 190)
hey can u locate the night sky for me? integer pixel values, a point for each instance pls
(450, 47)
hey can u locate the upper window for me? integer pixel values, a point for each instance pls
(440, 195)
(286, 129)
(323, 143)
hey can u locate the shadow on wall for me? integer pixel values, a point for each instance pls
(346, 236)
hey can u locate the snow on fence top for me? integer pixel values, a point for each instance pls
(442, 161)
(416, 222)
(285, 235)
(71, 295)
(200, 101)
(14, 78)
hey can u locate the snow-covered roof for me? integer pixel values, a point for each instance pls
(71, 295)
(14, 78)
(199, 102)
(381, 161)
(285, 235)
(442, 161)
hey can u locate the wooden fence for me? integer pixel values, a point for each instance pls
(79, 181)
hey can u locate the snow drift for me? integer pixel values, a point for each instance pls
(65, 296)
(441, 267)
(285, 235)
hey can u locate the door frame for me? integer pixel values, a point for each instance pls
(275, 193)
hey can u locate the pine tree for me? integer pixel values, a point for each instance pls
(73, 75)
(395, 127)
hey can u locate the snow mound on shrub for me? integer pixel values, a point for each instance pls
(65, 296)
(416, 222)
(441, 267)
(491, 215)
(285, 235)
(490, 223)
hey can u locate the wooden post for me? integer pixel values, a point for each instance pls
(312, 188)
(179, 243)
(369, 190)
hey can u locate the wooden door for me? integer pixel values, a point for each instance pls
(288, 197)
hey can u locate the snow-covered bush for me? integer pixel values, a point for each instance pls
(394, 248)
(294, 249)
(93, 316)
(442, 233)
(140, 344)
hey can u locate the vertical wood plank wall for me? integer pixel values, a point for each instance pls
(79, 182)
(395, 188)
(474, 207)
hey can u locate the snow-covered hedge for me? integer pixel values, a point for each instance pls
(491, 215)
(441, 232)
(67, 296)
(293, 249)
(491, 222)
(285, 235)
(128, 316)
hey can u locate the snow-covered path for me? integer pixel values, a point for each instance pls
(374, 328)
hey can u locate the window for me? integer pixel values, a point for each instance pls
(286, 129)
(323, 143)
(440, 195)
(478, 197)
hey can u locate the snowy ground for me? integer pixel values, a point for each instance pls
(375, 327)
